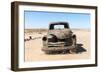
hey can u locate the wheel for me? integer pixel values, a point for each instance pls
(64, 51)
(44, 40)
(44, 43)
(72, 51)
(48, 52)
(74, 40)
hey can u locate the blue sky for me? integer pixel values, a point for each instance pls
(39, 19)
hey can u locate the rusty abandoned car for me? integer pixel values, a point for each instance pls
(59, 39)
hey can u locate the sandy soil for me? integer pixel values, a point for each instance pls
(33, 47)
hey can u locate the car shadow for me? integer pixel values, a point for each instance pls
(80, 48)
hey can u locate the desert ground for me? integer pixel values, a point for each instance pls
(33, 47)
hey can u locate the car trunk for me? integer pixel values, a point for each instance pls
(61, 33)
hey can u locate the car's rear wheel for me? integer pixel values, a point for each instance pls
(73, 50)
(48, 52)
(64, 51)
(74, 40)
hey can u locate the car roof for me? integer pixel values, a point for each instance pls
(59, 23)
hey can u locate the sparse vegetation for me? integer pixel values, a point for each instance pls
(35, 30)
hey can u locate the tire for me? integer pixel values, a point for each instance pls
(64, 52)
(48, 52)
(74, 40)
(72, 51)
(44, 43)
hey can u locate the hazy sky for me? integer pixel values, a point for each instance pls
(38, 19)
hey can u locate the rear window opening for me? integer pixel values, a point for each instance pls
(59, 27)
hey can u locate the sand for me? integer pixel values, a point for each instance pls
(33, 47)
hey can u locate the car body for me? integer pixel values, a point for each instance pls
(60, 39)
